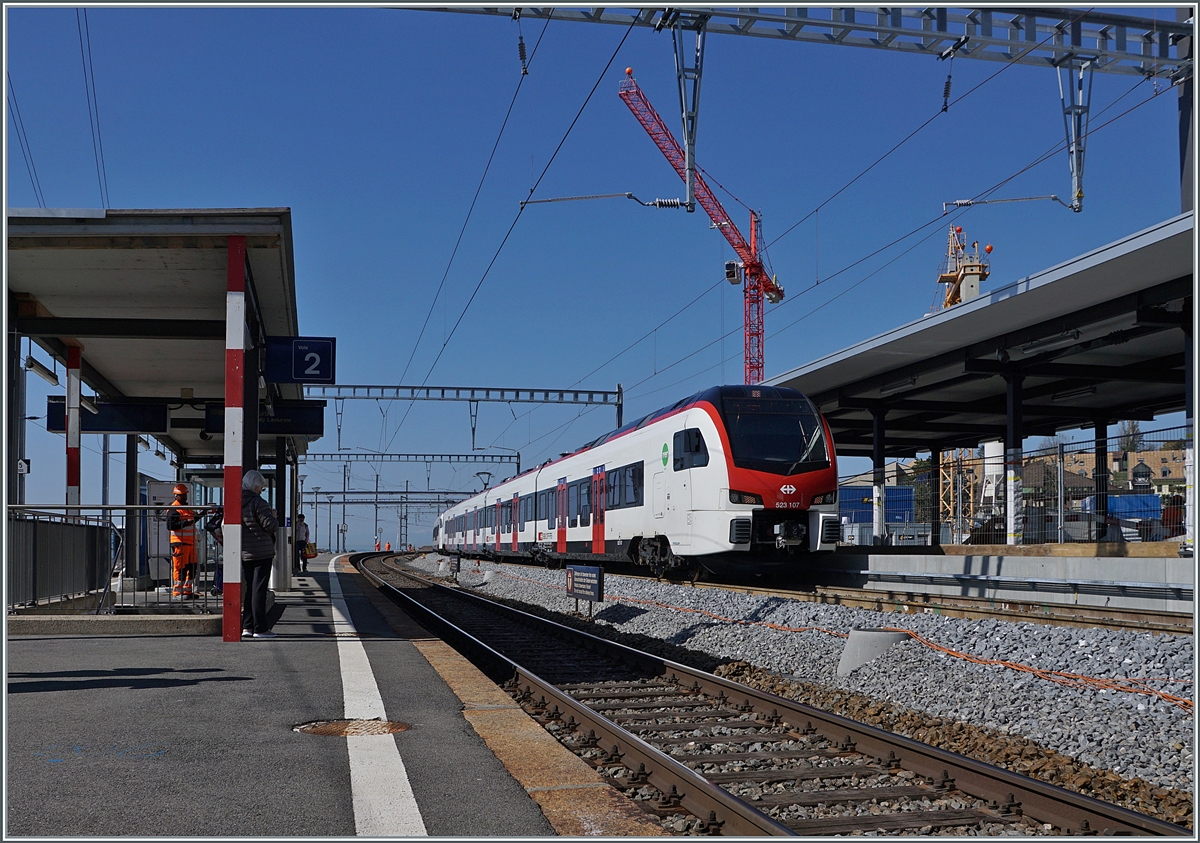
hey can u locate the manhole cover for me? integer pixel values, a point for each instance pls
(345, 728)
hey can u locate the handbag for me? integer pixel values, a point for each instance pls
(310, 551)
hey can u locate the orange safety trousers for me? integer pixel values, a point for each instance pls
(183, 563)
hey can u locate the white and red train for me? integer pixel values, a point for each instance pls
(733, 477)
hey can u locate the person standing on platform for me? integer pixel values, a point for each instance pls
(258, 555)
(182, 523)
(388, 547)
(300, 543)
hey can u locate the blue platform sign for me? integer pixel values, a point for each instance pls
(301, 360)
(585, 582)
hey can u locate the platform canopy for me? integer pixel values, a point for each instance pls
(1103, 337)
(143, 292)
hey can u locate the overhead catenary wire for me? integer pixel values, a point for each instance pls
(23, 141)
(1011, 62)
(856, 178)
(816, 210)
(89, 87)
(844, 269)
(516, 219)
(474, 200)
(467, 219)
(1054, 150)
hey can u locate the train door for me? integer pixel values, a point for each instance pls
(677, 520)
(560, 512)
(499, 521)
(516, 519)
(475, 528)
(599, 493)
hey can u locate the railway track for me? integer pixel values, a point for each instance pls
(915, 602)
(911, 601)
(731, 760)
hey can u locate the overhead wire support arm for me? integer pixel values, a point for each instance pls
(1075, 91)
(967, 203)
(654, 203)
(689, 100)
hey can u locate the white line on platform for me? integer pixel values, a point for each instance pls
(384, 805)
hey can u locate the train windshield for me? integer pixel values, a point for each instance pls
(777, 435)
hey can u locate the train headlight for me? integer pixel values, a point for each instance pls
(745, 498)
(828, 497)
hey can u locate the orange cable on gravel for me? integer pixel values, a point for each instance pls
(1073, 680)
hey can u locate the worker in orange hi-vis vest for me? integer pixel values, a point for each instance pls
(377, 544)
(388, 546)
(182, 524)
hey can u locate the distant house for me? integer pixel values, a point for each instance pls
(1160, 472)
(1040, 479)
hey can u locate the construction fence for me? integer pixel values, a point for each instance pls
(1133, 487)
(76, 557)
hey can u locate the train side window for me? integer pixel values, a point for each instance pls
(551, 508)
(585, 503)
(541, 506)
(573, 505)
(633, 484)
(612, 481)
(689, 449)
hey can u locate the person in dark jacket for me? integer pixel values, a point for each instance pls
(258, 554)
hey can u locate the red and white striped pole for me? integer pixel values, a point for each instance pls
(74, 353)
(235, 371)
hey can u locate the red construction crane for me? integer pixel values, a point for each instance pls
(757, 283)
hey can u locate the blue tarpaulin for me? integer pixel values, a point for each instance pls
(854, 504)
(1128, 506)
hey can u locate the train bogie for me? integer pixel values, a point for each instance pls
(733, 474)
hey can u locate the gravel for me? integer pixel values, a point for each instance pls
(1141, 738)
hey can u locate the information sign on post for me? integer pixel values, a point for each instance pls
(585, 582)
(301, 360)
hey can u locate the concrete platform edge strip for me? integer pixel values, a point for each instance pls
(572, 796)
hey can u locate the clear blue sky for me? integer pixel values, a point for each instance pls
(374, 126)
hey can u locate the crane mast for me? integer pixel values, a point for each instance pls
(757, 284)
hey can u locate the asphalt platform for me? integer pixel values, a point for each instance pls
(153, 733)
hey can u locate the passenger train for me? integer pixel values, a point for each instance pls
(733, 478)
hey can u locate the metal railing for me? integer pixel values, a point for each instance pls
(104, 559)
(1133, 488)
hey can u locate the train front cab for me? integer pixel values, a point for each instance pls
(752, 504)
